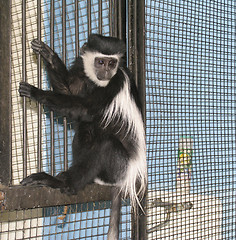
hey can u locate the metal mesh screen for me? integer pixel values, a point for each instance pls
(191, 136)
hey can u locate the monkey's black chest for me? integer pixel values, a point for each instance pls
(89, 133)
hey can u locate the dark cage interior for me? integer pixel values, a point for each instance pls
(182, 55)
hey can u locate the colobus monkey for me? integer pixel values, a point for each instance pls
(100, 96)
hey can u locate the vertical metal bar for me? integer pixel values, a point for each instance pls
(140, 72)
(136, 63)
(89, 16)
(129, 33)
(24, 80)
(115, 18)
(100, 16)
(110, 17)
(39, 150)
(121, 19)
(134, 42)
(76, 29)
(64, 60)
(64, 31)
(140, 54)
(52, 153)
(5, 94)
(10, 180)
(119, 22)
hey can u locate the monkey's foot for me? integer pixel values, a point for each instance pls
(42, 179)
(68, 187)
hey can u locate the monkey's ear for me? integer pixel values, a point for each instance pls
(83, 49)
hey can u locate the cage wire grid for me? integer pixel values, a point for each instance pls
(190, 92)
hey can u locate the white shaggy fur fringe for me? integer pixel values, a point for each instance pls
(125, 106)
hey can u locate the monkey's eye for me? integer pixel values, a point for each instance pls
(112, 63)
(101, 62)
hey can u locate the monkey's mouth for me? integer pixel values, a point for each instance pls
(103, 78)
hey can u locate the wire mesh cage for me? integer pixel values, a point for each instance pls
(189, 96)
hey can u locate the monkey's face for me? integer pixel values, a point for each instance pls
(100, 68)
(105, 67)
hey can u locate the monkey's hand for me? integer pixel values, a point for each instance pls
(26, 90)
(40, 48)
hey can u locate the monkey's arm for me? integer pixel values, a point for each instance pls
(71, 106)
(56, 69)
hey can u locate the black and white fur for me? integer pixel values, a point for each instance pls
(109, 141)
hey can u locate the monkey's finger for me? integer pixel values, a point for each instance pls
(43, 49)
(36, 45)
